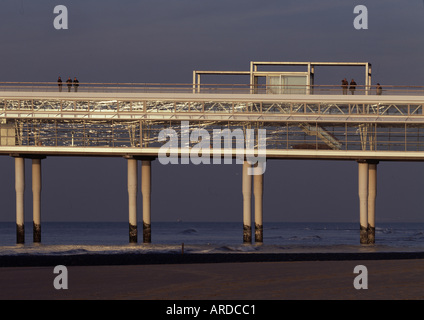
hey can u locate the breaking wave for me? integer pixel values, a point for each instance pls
(189, 231)
(112, 238)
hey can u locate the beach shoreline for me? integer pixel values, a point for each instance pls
(392, 279)
(98, 259)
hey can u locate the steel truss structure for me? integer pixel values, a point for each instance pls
(133, 121)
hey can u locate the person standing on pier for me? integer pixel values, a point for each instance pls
(379, 89)
(345, 84)
(69, 83)
(76, 84)
(59, 83)
(352, 86)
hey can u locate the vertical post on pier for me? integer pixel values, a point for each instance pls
(132, 199)
(368, 80)
(247, 203)
(369, 77)
(311, 79)
(372, 194)
(198, 83)
(36, 199)
(252, 78)
(258, 188)
(363, 200)
(146, 182)
(20, 189)
(308, 81)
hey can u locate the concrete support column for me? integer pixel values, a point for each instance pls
(258, 188)
(247, 203)
(132, 199)
(36, 199)
(20, 190)
(363, 200)
(372, 194)
(146, 182)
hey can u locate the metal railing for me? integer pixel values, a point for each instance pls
(209, 88)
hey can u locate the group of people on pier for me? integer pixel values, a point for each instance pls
(345, 86)
(69, 83)
(352, 87)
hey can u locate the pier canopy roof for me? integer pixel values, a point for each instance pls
(282, 82)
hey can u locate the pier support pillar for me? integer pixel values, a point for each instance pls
(146, 182)
(372, 194)
(363, 200)
(36, 199)
(258, 188)
(20, 190)
(247, 203)
(132, 199)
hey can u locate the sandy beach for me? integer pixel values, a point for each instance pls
(281, 280)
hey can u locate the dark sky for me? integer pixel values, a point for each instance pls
(163, 41)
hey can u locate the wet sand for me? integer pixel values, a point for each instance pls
(278, 280)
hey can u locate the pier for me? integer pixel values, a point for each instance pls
(302, 121)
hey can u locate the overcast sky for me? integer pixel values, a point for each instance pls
(163, 41)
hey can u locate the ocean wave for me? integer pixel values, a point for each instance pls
(65, 250)
(306, 238)
(189, 231)
(241, 248)
(418, 236)
(292, 247)
(384, 230)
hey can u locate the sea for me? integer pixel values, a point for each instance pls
(67, 238)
